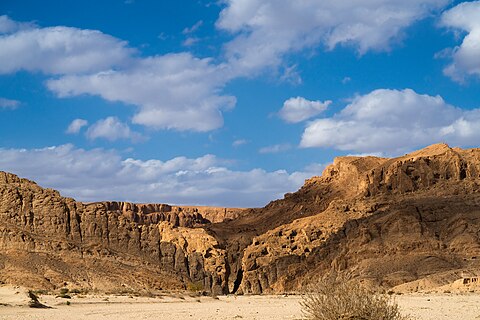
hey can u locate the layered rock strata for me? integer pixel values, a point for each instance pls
(47, 240)
(390, 222)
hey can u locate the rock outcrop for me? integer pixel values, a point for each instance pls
(47, 240)
(391, 222)
(387, 221)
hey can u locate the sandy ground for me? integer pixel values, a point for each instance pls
(13, 305)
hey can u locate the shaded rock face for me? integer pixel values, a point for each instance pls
(386, 221)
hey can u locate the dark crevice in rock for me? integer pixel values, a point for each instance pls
(67, 223)
(238, 281)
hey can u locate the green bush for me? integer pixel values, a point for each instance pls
(64, 291)
(64, 294)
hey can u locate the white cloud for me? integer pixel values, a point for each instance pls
(298, 109)
(266, 30)
(193, 28)
(60, 50)
(112, 129)
(277, 148)
(163, 36)
(97, 174)
(392, 121)
(292, 75)
(190, 41)
(181, 92)
(76, 125)
(466, 61)
(7, 25)
(8, 103)
(239, 142)
(346, 80)
(174, 91)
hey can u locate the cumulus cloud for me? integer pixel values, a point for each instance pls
(59, 50)
(299, 109)
(8, 25)
(174, 91)
(182, 92)
(266, 30)
(98, 174)
(277, 148)
(112, 129)
(465, 58)
(393, 121)
(76, 125)
(8, 103)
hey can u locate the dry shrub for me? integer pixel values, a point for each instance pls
(195, 286)
(340, 299)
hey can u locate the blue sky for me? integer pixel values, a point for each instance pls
(228, 103)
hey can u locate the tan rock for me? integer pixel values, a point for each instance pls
(406, 222)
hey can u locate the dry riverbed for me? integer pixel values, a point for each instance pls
(14, 305)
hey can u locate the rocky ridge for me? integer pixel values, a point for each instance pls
(391, 222)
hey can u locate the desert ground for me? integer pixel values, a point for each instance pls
(14, 305)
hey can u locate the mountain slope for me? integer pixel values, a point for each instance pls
(387, 221)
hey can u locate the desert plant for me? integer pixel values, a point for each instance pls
(341, 299)
(64, 294)
(40, 292)
(195, 286)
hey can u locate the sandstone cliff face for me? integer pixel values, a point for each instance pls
(386, 221)
(390, 221)
(45, 228)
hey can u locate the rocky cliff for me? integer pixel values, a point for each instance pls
(386, 221)
(47, 240)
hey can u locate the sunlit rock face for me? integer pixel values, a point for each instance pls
(389, 222)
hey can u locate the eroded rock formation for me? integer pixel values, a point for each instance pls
(47, 240)
(387, 221)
